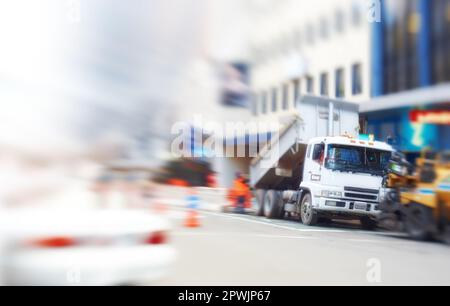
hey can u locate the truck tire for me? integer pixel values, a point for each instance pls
(419, 221)
(260, 195)
(307, 214)
(272, 207)
(368, 224)
(446, 234)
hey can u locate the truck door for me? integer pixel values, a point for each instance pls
(314, 162)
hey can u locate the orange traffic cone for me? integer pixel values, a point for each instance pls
(192, 219)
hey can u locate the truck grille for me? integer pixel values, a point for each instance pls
(362, 194)
(362, 190)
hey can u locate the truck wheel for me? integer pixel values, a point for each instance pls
(390, 203)
(447, 235)
(418, 221)
(307, 214)
(272, 207)
(260, 195)
(368, 223)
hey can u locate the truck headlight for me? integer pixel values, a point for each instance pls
(331, 194)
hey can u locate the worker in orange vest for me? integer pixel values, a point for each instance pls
(240, 194)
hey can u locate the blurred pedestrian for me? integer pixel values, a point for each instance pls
(240, 194)
(211, 180)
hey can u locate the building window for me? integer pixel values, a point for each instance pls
(274, 100)
(356, 79)
(323, 26)
(254, 104)
(356, 13)
(285, 97)
(440, 41)
(285, 44)
(310, 34)
(400, 40)
(324, 84)
(297, 39)
(340, 21)
(273, 49)
(340, 83)
(264, 103)
(297, 91)
(310, 85)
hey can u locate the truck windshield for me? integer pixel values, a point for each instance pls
(357, 159)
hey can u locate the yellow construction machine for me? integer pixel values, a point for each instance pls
(418, 197)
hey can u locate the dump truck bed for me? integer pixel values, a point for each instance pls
(279, 165)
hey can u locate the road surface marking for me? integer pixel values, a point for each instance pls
(272, 223)
(247, 235)
(242, 235)
(285, 237)
(306, 230)
(365, 240)
(277, 225)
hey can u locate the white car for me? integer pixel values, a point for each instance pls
(92, 247)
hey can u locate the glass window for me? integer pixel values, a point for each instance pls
(285, 97)
(274, 100)
(323, 26)
(310, 85)
(357, 159)
(340, 21)
(285, 44)
(401, 27)
(296, 91)
(440, 40)
(264, 103)
(319, 152)
(356, 13)
(324, 84)
(255, 105)
(346, 154)
(340, 83)
(310, 34)
(297, 39)
(356, 79)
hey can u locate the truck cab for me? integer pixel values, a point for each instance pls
(342, 177)
(318, 167)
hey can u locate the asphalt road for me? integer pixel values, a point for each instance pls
(235, 250)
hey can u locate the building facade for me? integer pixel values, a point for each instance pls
(321, 49)
(395, 64)
(390, 56)
(410, 69)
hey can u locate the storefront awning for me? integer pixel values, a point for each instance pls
(439, 94)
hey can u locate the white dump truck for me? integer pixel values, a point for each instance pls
(319, 168)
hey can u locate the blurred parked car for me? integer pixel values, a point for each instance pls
(92, 247)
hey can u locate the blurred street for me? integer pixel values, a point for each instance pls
(235, 250)
(130, 129)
